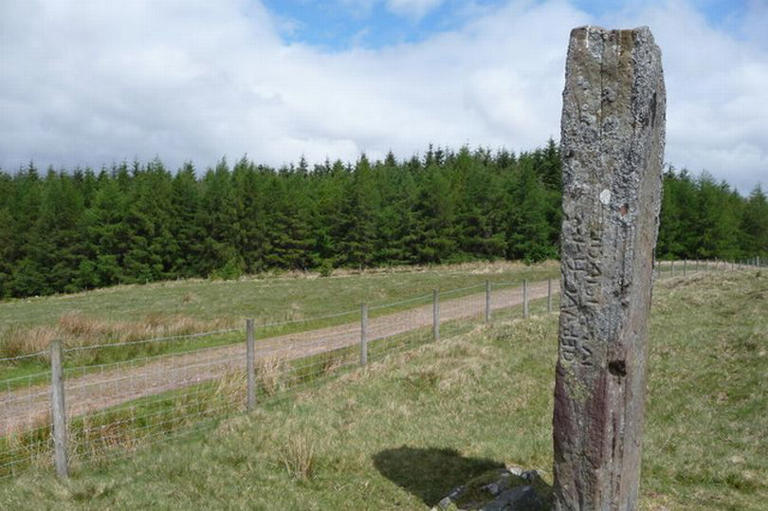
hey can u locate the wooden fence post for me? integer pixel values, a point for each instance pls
(525, 299)
(487, 301)
(249, 365)
(363, 334)
(549, 295)
(59, 411)
(435, 315)
(685, 267)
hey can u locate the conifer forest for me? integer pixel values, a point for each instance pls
(66, 230)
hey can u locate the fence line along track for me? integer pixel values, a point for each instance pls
(27, 407)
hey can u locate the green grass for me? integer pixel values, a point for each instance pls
(122, 313)
(271, 298)
(406, 430)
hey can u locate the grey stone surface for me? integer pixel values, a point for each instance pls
(612, 145)
(521, 498)
(510, 489)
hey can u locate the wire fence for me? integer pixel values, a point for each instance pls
(115, 403)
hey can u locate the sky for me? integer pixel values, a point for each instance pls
(92, 83)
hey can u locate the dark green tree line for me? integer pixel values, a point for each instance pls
(705, 219)
(64, 231)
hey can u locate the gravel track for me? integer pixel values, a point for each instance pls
(28, 407)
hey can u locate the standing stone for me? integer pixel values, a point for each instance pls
(612, 148)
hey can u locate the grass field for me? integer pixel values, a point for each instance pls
(280, 304)
(406, 430)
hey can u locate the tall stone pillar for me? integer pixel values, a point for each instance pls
(613, 149)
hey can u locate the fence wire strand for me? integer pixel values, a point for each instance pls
(152, 340)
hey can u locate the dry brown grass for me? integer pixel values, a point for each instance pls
(231, 387)
(331, 362)
(78, 329)
(17, 341)
(298, 457)
(474, 267)
(268, 372)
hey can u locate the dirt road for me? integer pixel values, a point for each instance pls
(28, 407)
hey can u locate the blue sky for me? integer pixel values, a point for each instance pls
(340, 24)
(89, 82)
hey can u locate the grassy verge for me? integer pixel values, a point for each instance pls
(140, 422)
(406, 430)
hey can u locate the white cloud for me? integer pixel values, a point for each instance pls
(89, 82)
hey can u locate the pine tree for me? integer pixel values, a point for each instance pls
(479, 210)
(754, 224)
(528, 235)
(107, 235)
(152, 248)
(7, 243)
(356, 230)
(218, 220)
(713, 227)
(185, 203)
(434, 215)
(251, 205)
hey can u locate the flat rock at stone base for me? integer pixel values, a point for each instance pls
(510, 489)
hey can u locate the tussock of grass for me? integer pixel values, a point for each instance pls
(298, 457)
(401, 433)
(268, 371)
